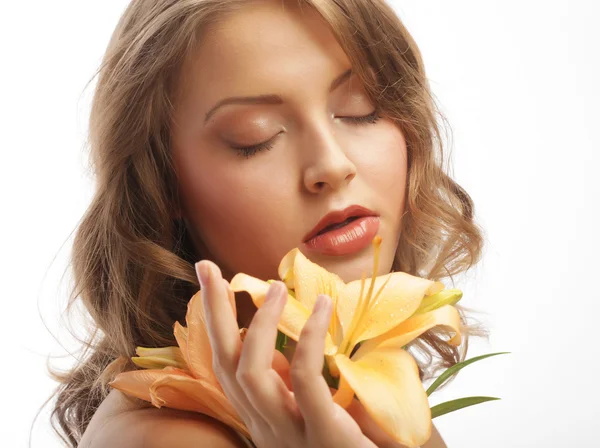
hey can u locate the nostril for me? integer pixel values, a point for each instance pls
(320, 185)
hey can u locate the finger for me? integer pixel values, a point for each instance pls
(223, 334)
(264, 387)
(257, 352)
(310, 388)
(220, 322)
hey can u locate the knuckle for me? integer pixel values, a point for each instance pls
(299, 376)
(247, 378)
(308, 332)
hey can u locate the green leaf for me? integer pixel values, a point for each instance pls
(281, 341)
(455, 368)
(454, 405)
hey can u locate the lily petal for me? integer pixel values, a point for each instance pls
(387, 384)
(137, 382)
(285, 270)
(181, 334)
(309, 279)
(397, 301)
(294, 315)
(189, 394)
(446, 316)
(344, 394)
(172, 388)
(197, 345)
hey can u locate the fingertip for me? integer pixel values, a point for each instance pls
(277, 292)
(202, 271)
(323, 304)
(283, 290)
(215, 271)
(279, 286)
(283, 295)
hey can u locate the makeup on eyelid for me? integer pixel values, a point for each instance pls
(250, 150)
(259, 176)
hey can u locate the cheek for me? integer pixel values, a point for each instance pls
(236, 209)
(384, 165)
(383, 169)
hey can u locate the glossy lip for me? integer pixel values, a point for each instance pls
(337, 217)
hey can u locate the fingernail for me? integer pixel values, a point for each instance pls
(273, 292)
(202, 272)
(322, 304)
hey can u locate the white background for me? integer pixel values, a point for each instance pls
(519, 82)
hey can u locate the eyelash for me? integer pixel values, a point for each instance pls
(249, 151)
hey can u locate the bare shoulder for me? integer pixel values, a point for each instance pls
(123, 422)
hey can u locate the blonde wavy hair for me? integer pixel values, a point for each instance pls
(133, 264)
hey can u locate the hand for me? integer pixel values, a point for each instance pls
(275, 416)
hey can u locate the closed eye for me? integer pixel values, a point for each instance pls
(249, 151)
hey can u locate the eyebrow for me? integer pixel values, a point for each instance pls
(270, 99)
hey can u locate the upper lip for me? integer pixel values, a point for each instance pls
(337, 216)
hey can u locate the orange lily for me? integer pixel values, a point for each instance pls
(377, 317)
(182, 377)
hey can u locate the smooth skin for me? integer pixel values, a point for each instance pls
(245, 211)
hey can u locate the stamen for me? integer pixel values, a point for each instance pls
(351, 342)
(333, 321)
(364, 303)
(379, 291)
(377, 247)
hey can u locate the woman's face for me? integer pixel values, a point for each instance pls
(246, 208)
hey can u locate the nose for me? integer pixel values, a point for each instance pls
(327, 166)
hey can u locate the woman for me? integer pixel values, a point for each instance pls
(234, 131)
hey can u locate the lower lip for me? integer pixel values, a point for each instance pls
(346, 240)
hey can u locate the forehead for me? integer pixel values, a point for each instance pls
(263, 48)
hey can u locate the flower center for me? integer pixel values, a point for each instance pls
(364, 305)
